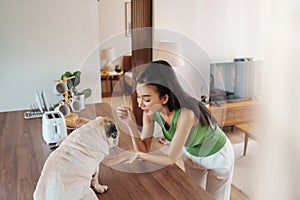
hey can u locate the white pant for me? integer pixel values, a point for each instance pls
(213, 173)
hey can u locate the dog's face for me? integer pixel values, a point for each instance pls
(110, 129)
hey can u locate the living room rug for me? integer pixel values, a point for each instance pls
(244, 167)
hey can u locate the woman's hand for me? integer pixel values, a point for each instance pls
(126, 157)
(126, 114)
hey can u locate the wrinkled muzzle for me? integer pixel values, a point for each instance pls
(111, 130)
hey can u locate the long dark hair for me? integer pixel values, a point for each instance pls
(161, 75)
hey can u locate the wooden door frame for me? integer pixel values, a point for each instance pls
(141, 42)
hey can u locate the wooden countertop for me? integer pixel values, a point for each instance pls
(23, 153)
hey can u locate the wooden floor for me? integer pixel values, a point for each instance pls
(235, 136)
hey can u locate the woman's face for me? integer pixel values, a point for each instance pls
(148, 99)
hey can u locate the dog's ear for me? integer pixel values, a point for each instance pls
(111, 130)
(103, 121)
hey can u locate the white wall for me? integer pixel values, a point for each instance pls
(39, 41)
(211, 31)
(225, 29)
(112, 28)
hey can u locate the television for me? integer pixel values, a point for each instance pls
(232, 81)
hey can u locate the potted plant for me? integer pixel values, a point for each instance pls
(74, 82)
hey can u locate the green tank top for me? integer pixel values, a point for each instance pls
(202, 141)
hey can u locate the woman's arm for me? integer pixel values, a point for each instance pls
(184, 126)
(141, 142)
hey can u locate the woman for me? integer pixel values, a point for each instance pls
(186, 123)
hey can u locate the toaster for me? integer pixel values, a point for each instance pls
(54, 127)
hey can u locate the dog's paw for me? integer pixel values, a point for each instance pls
(100, 188)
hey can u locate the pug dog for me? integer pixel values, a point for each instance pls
(71, 171)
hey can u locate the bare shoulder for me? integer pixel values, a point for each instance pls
(187, 113)
(188, 116)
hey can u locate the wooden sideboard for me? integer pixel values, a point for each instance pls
(232, 113)
(109, 77)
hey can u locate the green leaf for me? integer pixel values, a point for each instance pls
(76, 81)
(77, 73)
(70, 84)
(66, 74)
(87, 93)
